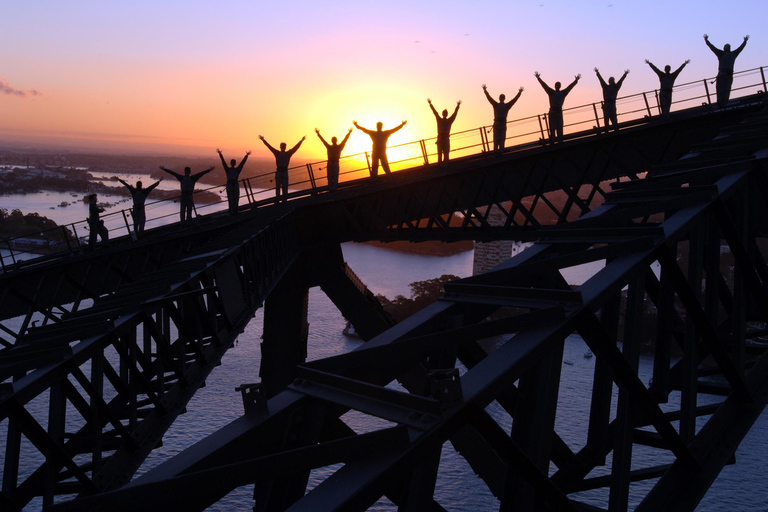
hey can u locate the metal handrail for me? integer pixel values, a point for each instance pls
(522, 133)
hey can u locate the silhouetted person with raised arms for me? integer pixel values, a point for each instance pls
(379, 145)
(187, 181)
(233, 187)
(556, 101)
(139, 196)
(666, 83)
(610, 93)
(444, 131)
(726, 59)
(282, 160)
(334, 154)
(96, 226)
(500, 111)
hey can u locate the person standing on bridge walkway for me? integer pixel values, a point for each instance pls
(444, 131)
(334, 154)
(96, 226)
(666, 83)
(187, 181)
(282, 159)
(610, 93)
(500, 111)
(233, 187)
(556, 100)
(379, 145)
(139, 196)
(726, 59)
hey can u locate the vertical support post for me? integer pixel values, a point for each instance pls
(66, 238)
(97, 381)
(762, 74)
(647, 105)
(484, 139)
(690, 362)
(311, 174)
(622, 446)
(533, 428)
(12, 455)
(665, 318)
(57, 409)
(125, 219)
(424, 151)
(597, 119)
(706, 88)
(368, 161)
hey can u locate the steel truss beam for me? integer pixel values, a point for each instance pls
(507, 328)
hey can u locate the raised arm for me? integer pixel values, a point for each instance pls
(621, 80)
(152, 186)
(737, 51)
(517, 97)
(202, 173)
(273, 150)
(366, 130)
(654, 68)
(678, 70)
(572, 84)
(433, 108)
(542, 82)
(223, 162)
(242, 162)
(600, 77)
(493, 101)
(712, 47)
(456, 111)
(176, 175)
(345, 139)
(393, 130)
(124, 183)
(322, 139)
(296, 147)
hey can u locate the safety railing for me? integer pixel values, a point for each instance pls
(310, 178)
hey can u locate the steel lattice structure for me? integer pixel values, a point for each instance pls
(126, 339)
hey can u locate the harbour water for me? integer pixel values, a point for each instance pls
(740, 487)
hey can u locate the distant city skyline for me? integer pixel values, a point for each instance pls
(187, 77)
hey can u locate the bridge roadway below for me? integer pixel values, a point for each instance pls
(153, 319)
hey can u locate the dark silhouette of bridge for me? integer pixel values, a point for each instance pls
(115, 342)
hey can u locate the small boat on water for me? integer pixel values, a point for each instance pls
(63, 204)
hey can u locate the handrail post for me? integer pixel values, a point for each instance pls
(483, 139)
(125, 218)
(762, 73)
(706, 88)
(77, 238)
(647, 105)
(597, 119)
(541, 127)
(311, 174)
(424, 151)
(368, 161)
(66, 238)
(246, 184)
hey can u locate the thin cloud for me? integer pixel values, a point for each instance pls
(6, 88)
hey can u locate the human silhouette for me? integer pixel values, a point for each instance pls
(444, 131)
(726, 59)
(556, 100)
(187, 181)
(334, 154)
(610, 93)
(379, 145)
(96, 226)
(500, 111)
(139, 196)
(233, 172)
(282, 159)
(666, 83)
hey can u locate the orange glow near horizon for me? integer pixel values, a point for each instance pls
(187, 79)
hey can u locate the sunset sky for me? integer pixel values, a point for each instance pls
(186, 77)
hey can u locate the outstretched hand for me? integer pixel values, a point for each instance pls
(521, 89)
(248, 152)
(218, 150)
(458, 102)
(706, 37)
(429, 101)
(746, 38)
(626, 71)
(261, 137)
(647, 61)
(687, 61)
(317, 131)
(596, 70)
(536, 74)
(578, 77)
(484, 87)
